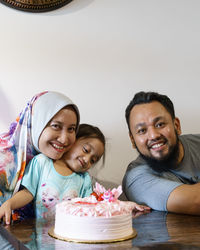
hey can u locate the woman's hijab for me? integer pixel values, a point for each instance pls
(20, 144)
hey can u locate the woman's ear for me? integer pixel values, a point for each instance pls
(132, 140)
(177, 125)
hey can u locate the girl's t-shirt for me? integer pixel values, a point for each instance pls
(49, 187)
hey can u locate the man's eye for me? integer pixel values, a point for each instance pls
(141, 131)
(160, 124)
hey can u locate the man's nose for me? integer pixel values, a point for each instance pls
(153, 133)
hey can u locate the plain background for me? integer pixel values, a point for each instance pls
(100, 53)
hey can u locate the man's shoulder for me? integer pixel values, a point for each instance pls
(139, 164)
(190, 137)
(190, 140)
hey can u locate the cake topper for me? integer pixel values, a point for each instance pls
(107, 195)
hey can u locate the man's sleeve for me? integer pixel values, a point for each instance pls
(141, 185)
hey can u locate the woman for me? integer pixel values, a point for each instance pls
(28, 135)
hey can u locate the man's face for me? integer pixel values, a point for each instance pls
(153, 132)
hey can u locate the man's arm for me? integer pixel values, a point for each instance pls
(185, 199)
(142, 185)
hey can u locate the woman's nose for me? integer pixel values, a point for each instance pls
(66, 138)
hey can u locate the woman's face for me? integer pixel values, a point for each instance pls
(59, 134)
(83, 154)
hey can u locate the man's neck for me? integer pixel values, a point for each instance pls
(181, 152)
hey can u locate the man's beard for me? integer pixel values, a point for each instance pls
(169, 162)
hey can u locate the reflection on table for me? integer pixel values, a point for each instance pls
(155, 230)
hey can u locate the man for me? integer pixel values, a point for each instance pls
(166, 174)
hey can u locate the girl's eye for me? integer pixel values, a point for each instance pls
(93, 161)
(85, 150)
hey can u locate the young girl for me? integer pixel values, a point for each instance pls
(48, 125)
(50, 181)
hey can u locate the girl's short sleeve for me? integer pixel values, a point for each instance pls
(31, 177)
(86, 189)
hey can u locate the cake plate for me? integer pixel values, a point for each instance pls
(52, 234)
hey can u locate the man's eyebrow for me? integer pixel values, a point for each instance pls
(158, 118)
(142, 124)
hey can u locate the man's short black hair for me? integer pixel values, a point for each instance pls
(148, 97)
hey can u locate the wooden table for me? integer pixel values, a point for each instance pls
(155, 230)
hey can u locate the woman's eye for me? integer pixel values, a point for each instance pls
(72, 129)
(55, 126)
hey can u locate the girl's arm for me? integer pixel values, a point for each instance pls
(20, 199)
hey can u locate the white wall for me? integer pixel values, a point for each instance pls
(100, 53)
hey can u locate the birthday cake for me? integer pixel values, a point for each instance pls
(100, 217)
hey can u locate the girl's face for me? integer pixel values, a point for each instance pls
(59, 134)
(83, 154)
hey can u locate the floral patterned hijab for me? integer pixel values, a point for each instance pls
(20, 144)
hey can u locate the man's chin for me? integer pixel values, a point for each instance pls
(157, 159)
(161, 164)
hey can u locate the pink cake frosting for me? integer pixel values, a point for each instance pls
(104, 203)
(90, 207)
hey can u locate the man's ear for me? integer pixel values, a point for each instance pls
(177, 126)
(132, 140)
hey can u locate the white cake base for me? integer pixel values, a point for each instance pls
(52, 234)
(93, 229)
